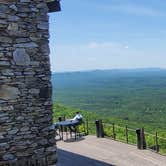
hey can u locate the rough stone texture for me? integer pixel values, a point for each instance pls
(25, 86)
(8, 92)
(21, 57)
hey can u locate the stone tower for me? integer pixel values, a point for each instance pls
(25, 87)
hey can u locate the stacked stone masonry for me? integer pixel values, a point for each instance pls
(25, 87)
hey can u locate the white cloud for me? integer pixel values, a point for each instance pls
(106, 55)
(105, 45)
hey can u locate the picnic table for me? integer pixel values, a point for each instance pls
(67, 123)
(63, 125)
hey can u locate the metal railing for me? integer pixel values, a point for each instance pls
(127, 135)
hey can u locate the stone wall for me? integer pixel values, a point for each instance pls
(25, 87)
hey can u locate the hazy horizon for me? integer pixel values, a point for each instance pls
(113, 69)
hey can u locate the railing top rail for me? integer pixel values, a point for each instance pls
(130, 129)
(109, 124)
(161, 138)
(147, 133)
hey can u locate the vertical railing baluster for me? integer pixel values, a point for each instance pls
(87, 126)
(127, 138)
(156, 141)
(113, 130)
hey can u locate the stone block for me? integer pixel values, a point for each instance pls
(8, 92)
(20, 57)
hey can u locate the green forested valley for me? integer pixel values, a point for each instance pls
(136, 97)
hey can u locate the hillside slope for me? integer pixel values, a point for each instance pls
(130, 95)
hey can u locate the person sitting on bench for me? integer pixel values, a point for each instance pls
(78, 118)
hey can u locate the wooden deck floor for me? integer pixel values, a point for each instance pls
(92, 151)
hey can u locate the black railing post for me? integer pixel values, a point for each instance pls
(61, 128)
(99, 129)
(143, 139)
(87, 126)
(141, 143)
(113, 130)
(138, 132)
(156, 142)
(60, 118)
(127, 138)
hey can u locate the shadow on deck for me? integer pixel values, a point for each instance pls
(66, 158)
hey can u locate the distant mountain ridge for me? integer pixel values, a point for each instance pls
(116, 70)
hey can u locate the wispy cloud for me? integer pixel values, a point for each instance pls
(102, 55)
(106, 45)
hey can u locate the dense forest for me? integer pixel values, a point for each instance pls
(128, 96)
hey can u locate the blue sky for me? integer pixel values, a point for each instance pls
(108, 34)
